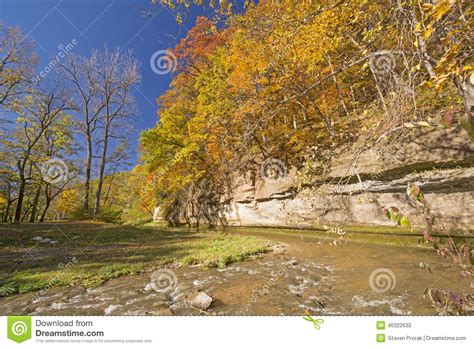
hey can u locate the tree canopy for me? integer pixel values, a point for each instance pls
(294, 80)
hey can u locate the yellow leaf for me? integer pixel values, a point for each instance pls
(441, 9)
(427, 6)
(428, 84)
(440, 81)
(424, 124)
(429, 31)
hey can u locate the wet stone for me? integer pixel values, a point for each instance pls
(202, 301)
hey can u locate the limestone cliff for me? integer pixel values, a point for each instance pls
(359, 182)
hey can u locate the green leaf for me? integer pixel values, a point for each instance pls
(404, 222)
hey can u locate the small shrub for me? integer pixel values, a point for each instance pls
(139, 222)
(105, 215)
(80, 213)
(109, 216)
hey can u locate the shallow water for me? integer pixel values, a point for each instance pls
(306, 275)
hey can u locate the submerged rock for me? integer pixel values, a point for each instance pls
(165, 312)
(202, 301)
(292, 262)
(278, 248)
(110, 309)
(44, 240)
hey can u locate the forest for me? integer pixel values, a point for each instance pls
(288, 80)
(295, 81)
(288, 129)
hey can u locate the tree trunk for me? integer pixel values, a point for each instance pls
(43, 214)
(45, 210)
(88, 169)
(466, 90)
(6, 212)
(336, 84)
(46, 204)
(109, 188)
(103, 161)
(25, 214)
(35, 205)
(21, 194)
(465, 87)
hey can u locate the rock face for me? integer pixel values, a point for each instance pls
(359, 183)
(157, 215)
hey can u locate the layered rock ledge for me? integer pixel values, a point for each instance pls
(359, 182)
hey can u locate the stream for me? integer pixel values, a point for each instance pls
(304, 275)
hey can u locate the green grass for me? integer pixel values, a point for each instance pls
(382, 235)
(223, 251)
(89, 254)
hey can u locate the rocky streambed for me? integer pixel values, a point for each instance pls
(303, 275)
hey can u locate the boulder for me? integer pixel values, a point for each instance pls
(202, 301)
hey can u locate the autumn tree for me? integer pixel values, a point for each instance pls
(296, 81)
(81, 73)
(67, 202)
(177, 149)
(57, 144)
(17, 63)
(8, 185)
(117, 74)
(443, 36)
(37, 114)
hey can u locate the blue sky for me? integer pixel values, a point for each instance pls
(95, 23)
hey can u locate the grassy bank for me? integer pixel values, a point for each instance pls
(89, 254)
(382, 235)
